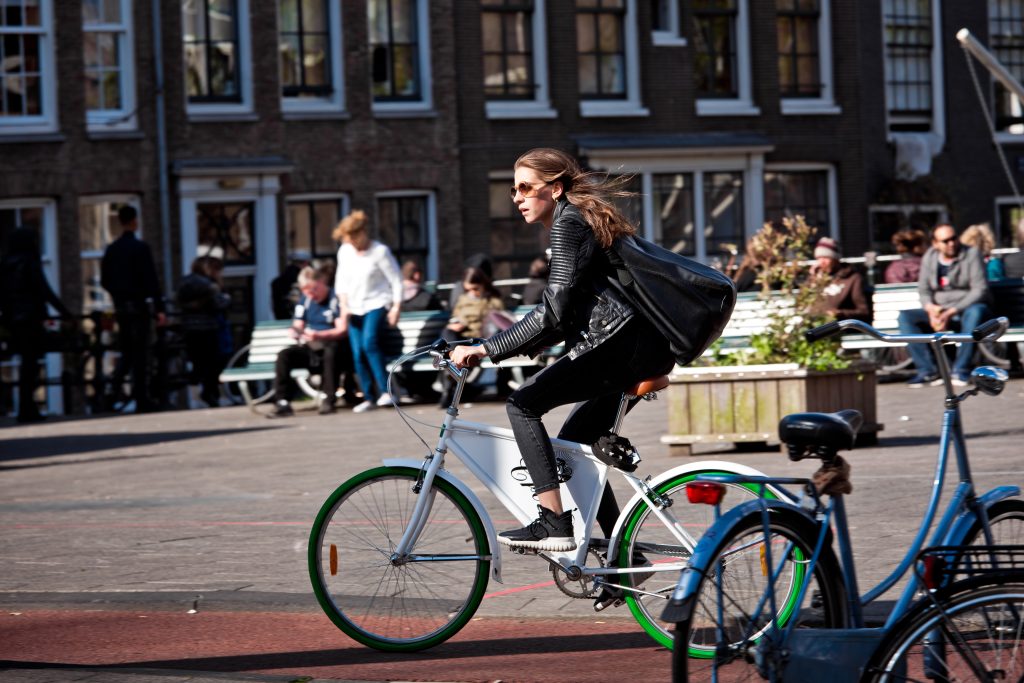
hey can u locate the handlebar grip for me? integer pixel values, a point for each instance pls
(987, 328)
(823, 331)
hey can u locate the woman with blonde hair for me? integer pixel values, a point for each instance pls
(981, 238)
(369, 287)
(611, 347)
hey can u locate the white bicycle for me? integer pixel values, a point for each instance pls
(400, 555)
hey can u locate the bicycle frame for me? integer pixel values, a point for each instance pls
(490, 454)
(963, 509)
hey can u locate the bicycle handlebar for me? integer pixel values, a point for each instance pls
(987, 331)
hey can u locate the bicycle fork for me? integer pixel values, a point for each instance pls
(421, 511)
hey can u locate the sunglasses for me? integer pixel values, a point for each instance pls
(526, 189)
(947, 240)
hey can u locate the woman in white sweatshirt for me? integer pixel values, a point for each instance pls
(369, 288)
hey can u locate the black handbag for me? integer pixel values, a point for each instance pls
(688, 302)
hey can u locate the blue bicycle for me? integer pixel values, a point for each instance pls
(771, 591)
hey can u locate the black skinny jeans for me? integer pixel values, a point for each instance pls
(595, 380)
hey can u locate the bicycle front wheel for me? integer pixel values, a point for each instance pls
(978, 635)
(647, 541)
(733, 611)
(396, 603)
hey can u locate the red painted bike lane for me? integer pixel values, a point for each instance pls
(282, 643)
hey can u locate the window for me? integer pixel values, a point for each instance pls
(796, 30)
(28, 98)
(723, 212)
(514, 36)
(98, 227)
(216, 43)
(722, 74)
(798, 193)
(600, 44)
(507, 49)
(909, 39)
(672, 199)
(1006, 34)
(514, 242)
(886, 219)
(310, 222)
(1009, 215)
(229, 227)
(608, 58)
(309, 46)
(405, 222)
(108, 55)
(400, 54)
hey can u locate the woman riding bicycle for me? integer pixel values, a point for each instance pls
(611, 346)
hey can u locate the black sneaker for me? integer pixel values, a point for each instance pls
(548, 532)
(281, 409)
(923, 379)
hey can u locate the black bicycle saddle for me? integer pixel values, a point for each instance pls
(812, 430)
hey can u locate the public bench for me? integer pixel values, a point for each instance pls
(251, 369)
(887, 302)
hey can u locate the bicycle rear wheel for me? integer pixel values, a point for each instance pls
(1005, 520)
(978, 635)
(646, 540)
(731, 615)
(397, 604)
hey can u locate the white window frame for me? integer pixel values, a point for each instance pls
(433, 264)
(832, 188)
(310, 107)
(426, 101)
(631, 105)
(1005, 136)
(50, 254)
(998, 203)
(540, 106)
(647, 163)
(824, 104)
(226, 111)
(133, 200)
(671, 36)
(743, 103)
(344, 207)
(125, 117)
(938, 118)
(47, 122)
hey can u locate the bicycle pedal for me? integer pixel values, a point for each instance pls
(519, 550)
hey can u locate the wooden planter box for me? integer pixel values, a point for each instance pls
(745, 403)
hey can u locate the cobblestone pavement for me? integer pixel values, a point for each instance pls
(210, 509)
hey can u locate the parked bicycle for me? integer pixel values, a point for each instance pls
(400, 555)
(767, 571)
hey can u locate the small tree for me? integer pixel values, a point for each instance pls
(782, 267)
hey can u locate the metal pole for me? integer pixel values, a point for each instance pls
(161, 145)
(988, 60)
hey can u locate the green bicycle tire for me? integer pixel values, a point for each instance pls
(397, 607)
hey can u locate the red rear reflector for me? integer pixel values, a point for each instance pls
(705, 492)
(934, 571)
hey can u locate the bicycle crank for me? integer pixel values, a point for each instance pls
(573, 582)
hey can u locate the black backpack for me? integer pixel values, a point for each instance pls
(688, 302)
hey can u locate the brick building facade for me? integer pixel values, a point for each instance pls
(279, 117)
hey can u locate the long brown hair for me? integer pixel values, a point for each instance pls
(592, 193)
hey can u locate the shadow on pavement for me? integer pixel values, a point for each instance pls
(67, 444)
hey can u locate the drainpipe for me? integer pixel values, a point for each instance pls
(161, 146)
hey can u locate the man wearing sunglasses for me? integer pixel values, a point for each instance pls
(954, 295)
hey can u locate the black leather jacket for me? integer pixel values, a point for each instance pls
(579, 305)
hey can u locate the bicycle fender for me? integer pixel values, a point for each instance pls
(963, 522)
(485, 519)
(681, 603)
(699, 467)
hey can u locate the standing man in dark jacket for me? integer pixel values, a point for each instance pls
(954, 295)
(24, 293)
(128, 274)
